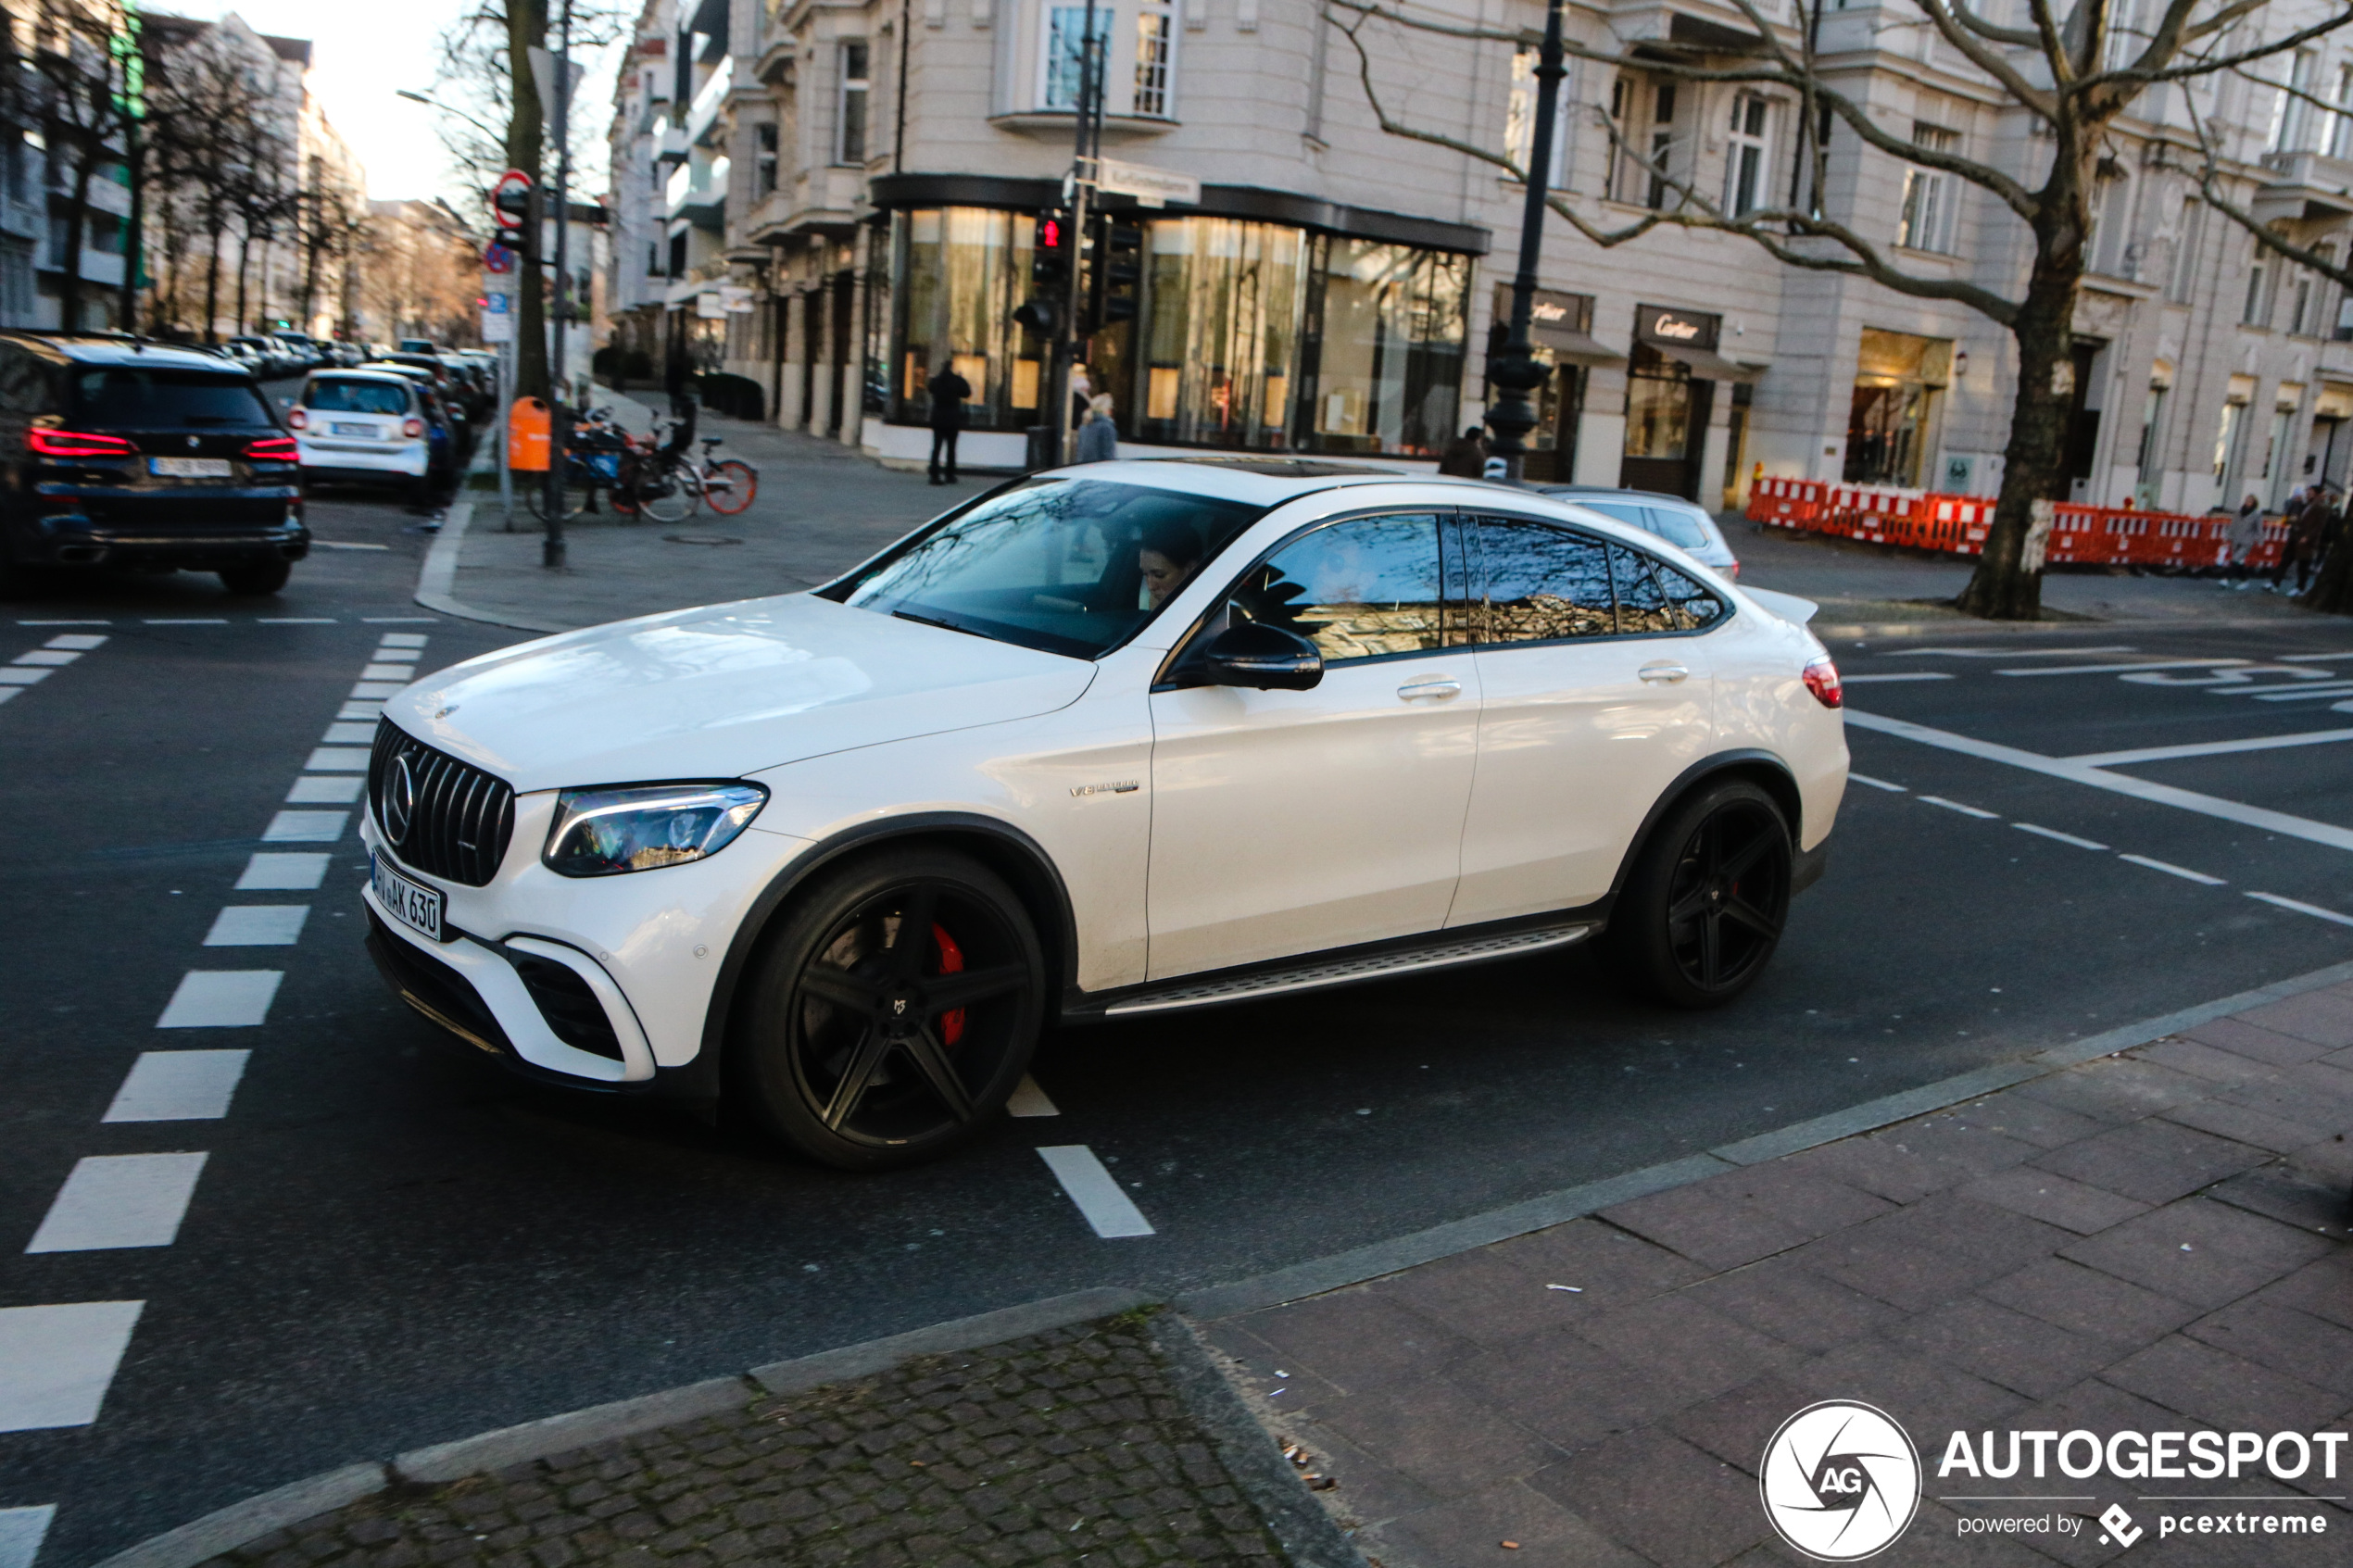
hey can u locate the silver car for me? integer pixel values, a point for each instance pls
(1682, 523)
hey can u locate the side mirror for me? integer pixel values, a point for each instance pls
(1247, 653)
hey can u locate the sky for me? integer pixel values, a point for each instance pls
(362, 54)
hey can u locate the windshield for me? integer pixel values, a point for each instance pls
(1068, 565)
(356, 398)
(141, 399)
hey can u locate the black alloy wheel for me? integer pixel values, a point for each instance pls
(1703, 911)
(893, 1012)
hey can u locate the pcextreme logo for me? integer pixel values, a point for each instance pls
(1841, 1481)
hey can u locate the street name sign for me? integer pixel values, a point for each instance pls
(1150, 186)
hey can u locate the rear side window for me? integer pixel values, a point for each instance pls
(158, 399)
(1544, 583)
(1697, 605)
(356, 398)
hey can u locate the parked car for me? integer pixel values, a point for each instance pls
(347, 354)
(1101, 744)
(307, 352)
(366, 427)
(116, 453)
(417, 345)
(1684, 524)
(445, 427)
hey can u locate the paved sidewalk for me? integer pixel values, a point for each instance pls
(2154, 1242)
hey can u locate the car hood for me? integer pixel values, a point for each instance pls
(723, 690)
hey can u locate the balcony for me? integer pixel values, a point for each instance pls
(697, 193)
(2306, 187)
(704, 111)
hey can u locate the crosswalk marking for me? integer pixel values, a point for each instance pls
(113, 1200)
(292, 871)
(322, 789)
(305, 827)
(178, 1086)
(56, 1362)
(258, 925)
(21, 1532)
(338, 758)
(1106, 1207)
(222, 999)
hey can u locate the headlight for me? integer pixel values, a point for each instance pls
(639, 827)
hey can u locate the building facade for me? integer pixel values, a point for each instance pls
(821, 203)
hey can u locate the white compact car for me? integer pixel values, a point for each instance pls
(363, 427)
(1105, 742)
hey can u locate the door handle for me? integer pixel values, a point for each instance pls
(1668, 673)
(1438, 690)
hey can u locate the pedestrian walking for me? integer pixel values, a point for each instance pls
(2246, 534)
(949, 392)
(1465, 455)
(1098, 437)
(2304, 528)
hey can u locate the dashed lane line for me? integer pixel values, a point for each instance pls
(2211, 749)
(258, 925)
(1906, 675)
(2057, 837)
(2277, 822)
(294, 872)
(178, 1087)
(2314, 910)
(22, 1532)
(325, 789)
(57, 1362)
(2009, 653)
(2127, 668)
(116, 1200)
(217, 998)
(1100, 1198)
(1957, 806)
(2172, 870)
(1876, 784)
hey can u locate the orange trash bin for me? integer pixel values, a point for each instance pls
(527, 435)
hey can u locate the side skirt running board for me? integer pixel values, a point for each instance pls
(1346, 972)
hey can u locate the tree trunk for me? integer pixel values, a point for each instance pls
(77, 225)
(527, 30)
(212, 282)
(245, 255)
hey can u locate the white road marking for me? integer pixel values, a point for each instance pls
(402, 640)
(2010, 653)
(1911, 675)
(2055, 834)
(178, 1086)
(1099, 1198)
(1028, 1100)
(401, 673)
(337, 758)
(65, 623)
(2290, 694)
(1876, 784)
(2127, 668)
(221, 999)
(2181, 872)
(81, 642)
(2279, 822)
(52, 657)
(113, 1200)
(2285, 659)
(376, 691)
(305, 827)
(325, 789)
(400, 621)
(186, 620)
(7, 691)
(359, 711)
(258, 925)
(2274, 898)
(57, 1362)
(2210, 749)
(1957, 806)
(22, 677)
(266, 872)
(21, 1532)
(294, 621)
(346, 735)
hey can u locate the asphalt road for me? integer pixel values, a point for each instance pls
(388, 1246)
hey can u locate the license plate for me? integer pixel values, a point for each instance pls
(407, 900)
(189, 468)
(350, 430)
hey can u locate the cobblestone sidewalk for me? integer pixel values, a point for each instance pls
(1072, 1445)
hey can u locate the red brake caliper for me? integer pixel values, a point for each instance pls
(951, 961)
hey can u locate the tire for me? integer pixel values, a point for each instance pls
(666, 490)
(730, 488)
(257, 579)
(1703, 910)
(847, 1051)
(575, 496)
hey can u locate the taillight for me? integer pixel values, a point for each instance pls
(1733, 572)
(412, 427)
(274, 449)
(297, 418)
(1821, 679)
(47, 443)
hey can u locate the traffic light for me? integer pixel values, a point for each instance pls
(1037, 315)
(1049, 276)
(1115, 275)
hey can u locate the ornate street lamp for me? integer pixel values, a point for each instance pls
(1512, 366)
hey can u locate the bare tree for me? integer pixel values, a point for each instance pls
(2074, 75)
(78, 52)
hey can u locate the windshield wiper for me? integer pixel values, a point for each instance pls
(928, 620)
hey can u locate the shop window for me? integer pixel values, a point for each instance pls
(1155, 62)
(1066, 45)
(1225, 305)
(1931, 196)
(1748, 155)
(1390, 327)
(764, 160)
(1891, 422)
(851, 143)
(958, 273)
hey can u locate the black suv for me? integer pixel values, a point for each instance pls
(118, 451)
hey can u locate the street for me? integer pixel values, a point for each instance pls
(387, 1246)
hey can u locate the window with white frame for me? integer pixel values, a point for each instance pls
(1519, 119)
(1748, 155)
(1064, 69)
(2189, 230)
(1155, 61)
(2111, 245)
(849, 145)
(2291, 111)
(1931, 196)
(1661, 146)
(2340, 143)
(2256, 310)
(765, 159)
(2125, 35)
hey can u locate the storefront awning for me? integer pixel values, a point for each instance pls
(1709, 365)
(1578, 347)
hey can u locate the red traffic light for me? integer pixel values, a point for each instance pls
(1050, 233)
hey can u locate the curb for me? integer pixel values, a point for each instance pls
(439, 575)
(243, 1523)
(1359, 1264)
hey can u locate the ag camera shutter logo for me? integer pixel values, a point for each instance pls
(1841, 1481)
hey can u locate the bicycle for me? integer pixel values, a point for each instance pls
(670, 484)
(600, 455)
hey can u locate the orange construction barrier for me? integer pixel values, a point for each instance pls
(1957, 525)
(527, 435)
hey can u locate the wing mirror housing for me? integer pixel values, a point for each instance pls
(1249, 653)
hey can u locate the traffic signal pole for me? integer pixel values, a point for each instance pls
(1091, 92)
(551, 552)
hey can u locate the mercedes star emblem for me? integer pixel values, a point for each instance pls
(399, 802)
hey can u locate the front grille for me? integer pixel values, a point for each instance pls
(463, 817)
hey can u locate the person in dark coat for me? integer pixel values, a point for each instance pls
(949, 392)
(1465, 456)
(2305, 534)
